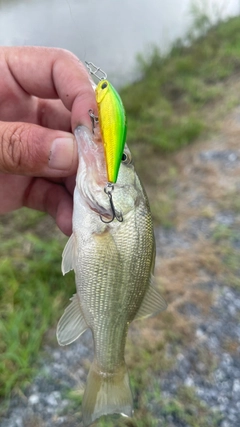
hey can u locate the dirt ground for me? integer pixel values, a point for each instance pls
(195, 196)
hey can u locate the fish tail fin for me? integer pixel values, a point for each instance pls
(106, 394)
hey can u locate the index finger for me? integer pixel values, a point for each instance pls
(53, 73)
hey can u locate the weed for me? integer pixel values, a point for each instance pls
(230, 202)
(221, 232)
(187, 409)
(228, 240)
(165, 109)
(32, 291)
(166, 106)
(74, 398)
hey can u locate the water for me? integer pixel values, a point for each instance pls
(109, 33)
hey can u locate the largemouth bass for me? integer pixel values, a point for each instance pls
(113, 264)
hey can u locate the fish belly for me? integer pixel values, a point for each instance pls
(112, 275)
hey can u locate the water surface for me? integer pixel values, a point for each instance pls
(108, 32)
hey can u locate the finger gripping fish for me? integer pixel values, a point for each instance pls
(113, 264)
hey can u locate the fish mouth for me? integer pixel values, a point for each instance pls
(100, 210)
(104, 205)
(92, 172)
(92, 182)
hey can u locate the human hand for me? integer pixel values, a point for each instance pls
(44, 94)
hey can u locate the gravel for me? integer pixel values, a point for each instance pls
(210, 364)
(45, 401)
(217, 384)
(227, 158)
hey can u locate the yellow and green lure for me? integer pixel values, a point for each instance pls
(112, 122)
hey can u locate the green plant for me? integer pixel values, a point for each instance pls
(32, 294)
(166, 106)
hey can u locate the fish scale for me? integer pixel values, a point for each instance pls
(106, 267)
(113, 265)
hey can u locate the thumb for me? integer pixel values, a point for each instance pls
(28, 149)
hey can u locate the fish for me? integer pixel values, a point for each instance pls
(113, 126)
(113, 264)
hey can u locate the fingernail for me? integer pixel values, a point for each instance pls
(61, 154)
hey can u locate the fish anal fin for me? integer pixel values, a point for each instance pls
(72, 323)
(152, 304)
(68, 256)
(106, 394)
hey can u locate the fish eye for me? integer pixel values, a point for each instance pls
(126, 158)
(104, 85)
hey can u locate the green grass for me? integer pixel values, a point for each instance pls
(227, 240)
(32, 295)
(166, 107)
(188, 410)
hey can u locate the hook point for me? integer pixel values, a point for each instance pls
(108, 189)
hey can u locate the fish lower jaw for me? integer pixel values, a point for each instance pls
(101, 212)
(99, 209)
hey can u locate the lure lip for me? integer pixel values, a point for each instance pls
(95, 71)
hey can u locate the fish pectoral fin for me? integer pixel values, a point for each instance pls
(72, 323)
(68, 256)
(152, 304)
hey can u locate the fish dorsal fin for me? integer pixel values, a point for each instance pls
(68, 256)
(72, 323)
(152, 304)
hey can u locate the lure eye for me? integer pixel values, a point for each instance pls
(126, 158)
(104, 85)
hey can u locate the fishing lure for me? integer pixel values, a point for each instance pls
(112, 121)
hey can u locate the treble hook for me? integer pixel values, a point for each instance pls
(96, 70)
(118, 215)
